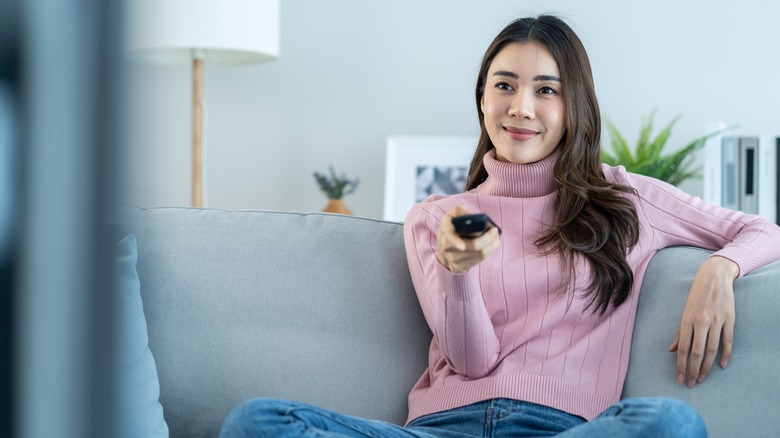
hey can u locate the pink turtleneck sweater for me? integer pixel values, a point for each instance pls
(499, 330)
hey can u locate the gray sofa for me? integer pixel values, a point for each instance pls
(320, 308)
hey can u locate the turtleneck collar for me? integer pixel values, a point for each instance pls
(514, 180)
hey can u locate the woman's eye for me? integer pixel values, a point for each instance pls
(547, 90)
(504, 86)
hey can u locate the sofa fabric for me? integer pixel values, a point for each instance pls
(320, 308)
(317, 308)
(744, 398)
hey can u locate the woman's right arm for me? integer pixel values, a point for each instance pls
(452, 301)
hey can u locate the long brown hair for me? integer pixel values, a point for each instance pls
(593, 219)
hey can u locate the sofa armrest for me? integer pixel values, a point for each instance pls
(742, 400)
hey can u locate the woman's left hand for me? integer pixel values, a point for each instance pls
(708, 320)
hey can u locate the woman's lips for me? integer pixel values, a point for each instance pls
(520, 134)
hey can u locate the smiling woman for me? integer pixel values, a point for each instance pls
(532, 326)
(536, 80)
(522, 104)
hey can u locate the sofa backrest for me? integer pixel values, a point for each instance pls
(320, 308)
(316, 308)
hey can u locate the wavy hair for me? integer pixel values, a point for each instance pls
(594, 218)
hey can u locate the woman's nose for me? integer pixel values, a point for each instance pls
(522, 106)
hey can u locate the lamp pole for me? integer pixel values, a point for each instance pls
(197, 132)
(227, 31)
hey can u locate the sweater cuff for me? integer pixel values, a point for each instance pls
(745, 259)
(462, 286)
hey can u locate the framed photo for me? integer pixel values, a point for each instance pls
(417, 167)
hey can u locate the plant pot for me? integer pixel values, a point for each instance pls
(337, 206)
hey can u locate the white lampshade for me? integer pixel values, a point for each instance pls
(201, 31)
(214, 30)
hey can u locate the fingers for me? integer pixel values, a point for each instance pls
(697, 357)
(448, 238)
(675, 343)
(698, 348)
(711, 350)
(460, 254)
(683, 349)
(692, 356)
(484, 243)
(728, 338)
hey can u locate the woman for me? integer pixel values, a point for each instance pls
(532, 327)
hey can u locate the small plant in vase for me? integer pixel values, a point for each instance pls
(336, 187)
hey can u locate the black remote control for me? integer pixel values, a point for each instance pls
(473, 225)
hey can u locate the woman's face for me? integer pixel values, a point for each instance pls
(523, 103)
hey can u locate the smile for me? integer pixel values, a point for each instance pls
(520, 134)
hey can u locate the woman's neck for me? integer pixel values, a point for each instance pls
(514, 180)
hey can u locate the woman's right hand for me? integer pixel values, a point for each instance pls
(459, 254)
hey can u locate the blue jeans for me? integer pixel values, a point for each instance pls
(638, 417)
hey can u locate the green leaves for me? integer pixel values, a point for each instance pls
(336, 186)
(647, 158)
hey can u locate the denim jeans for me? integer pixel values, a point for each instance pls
(638, 417)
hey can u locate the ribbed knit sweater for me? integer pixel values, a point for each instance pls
(501, 329)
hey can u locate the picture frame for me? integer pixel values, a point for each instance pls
(419, 166)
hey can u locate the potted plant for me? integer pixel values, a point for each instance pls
(335, 188)
(647, 158)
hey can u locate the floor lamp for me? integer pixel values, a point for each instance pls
(198, 31)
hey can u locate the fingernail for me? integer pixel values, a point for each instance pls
(691, 383)
(724, 363)
(702, 377)
(680, 379)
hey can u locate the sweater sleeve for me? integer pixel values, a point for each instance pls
(677, 218)
(452, 303)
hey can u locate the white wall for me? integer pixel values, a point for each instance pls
(352, 72)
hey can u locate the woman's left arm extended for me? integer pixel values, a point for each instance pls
(741, 243)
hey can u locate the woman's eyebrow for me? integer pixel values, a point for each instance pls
(507, 74)
(547, 78)
(536, 78)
